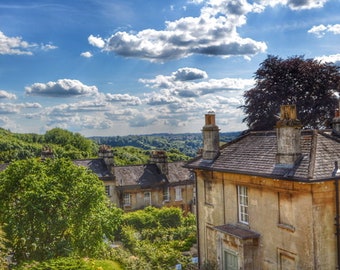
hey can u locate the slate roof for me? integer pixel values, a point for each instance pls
(237, 231)
(255, 154)
(96, 165)
(149, 175)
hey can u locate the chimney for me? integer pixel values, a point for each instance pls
(106, 153)
(46, 152)
(288, 132)
(211, 137)
(160, 158)
(336, 121)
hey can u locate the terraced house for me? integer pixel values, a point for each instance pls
(269, 200)
(157, 183)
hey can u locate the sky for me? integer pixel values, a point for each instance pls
(120, 67)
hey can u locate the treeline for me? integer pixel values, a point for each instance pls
(17, 146)
(130, 155)
(186, 143)
(128, 150)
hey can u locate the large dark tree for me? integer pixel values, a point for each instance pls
(307, 83)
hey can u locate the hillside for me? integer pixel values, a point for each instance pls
(128, 150)
(16, 146)
(186, 143)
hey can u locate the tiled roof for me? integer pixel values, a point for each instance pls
(237, 231)
(149, 175)
(255, 154)
(96, 165)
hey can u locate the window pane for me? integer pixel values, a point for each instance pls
(243, 204)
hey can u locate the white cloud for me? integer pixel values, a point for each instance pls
(61, 88)
(162, 98)
(190, 88)
(335, 58)
(86, 54)
(214, 32)
(188, 74)
(295, 4)
(15, 108)
(48, 47)
(123, 98)
(5, 94)
(96, 41)
(14, 45)
(17, 46)
(321, 30)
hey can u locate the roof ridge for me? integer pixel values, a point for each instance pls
(311, 165)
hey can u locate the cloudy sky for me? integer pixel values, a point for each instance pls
(118, 67)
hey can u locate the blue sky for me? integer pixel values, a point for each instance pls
(118, 67)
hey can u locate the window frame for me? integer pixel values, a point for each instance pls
(178, 194)
(147, 202)
(127, 199)
(243, 204)
(166, 194)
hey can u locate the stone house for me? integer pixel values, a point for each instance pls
(157, 183)
(269, 200)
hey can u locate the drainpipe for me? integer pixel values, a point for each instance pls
(337, 214)
(197, 223)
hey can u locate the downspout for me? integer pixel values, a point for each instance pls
(337, 214)
(197, 223)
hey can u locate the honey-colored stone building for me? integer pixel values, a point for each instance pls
(269, 200)
(158, 183)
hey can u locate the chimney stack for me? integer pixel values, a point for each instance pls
(336, 121)
(106, 153)
(288, 131)
(160, 158)
(211, 138)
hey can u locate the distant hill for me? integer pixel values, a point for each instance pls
(63, 143)
(186, 143)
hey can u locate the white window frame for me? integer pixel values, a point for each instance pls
(166, 194)
(242, 199)
(147, 198)
(178, 192)
(127, 199)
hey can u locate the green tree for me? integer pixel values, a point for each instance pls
(54, 208)
(3, 250)
(307, 83)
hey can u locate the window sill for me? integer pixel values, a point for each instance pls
(209, 205)
(286, 227)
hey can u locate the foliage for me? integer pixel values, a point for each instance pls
(54, 208)
(129, 155)
(309, 84)
(178, 146)
(16, 146)
(129, 261)
(156, 238)
(3, 250)
(70, 263)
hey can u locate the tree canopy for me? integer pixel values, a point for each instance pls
(54, 208)
(309, 84)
